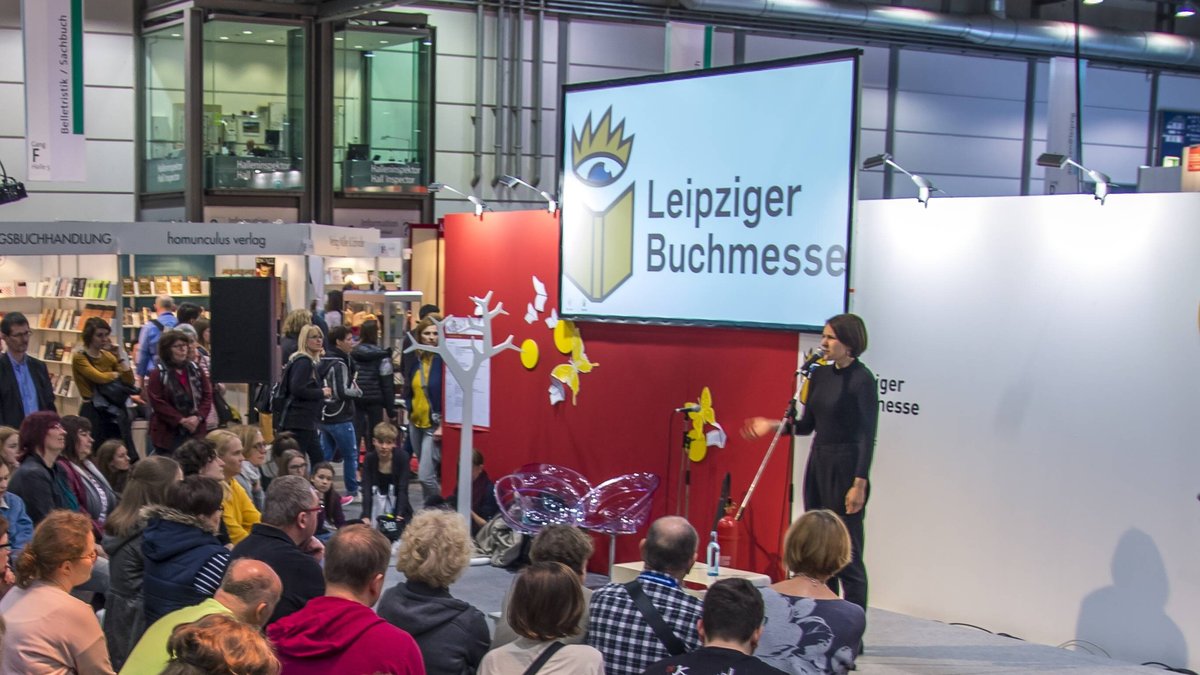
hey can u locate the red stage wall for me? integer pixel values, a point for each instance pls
(623, 421)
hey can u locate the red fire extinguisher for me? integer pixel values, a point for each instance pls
(729, 534)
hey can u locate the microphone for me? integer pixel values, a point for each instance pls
(688, 409)
(810, 362)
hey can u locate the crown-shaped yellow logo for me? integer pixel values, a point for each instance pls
(600, 141)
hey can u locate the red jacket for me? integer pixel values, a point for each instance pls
(165, 431)
(332, 635)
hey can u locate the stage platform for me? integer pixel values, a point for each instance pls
(897, 643)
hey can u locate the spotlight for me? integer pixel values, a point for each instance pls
(513, 182)
(1055, 161)
(480, 205)
(925, 188)
(1185, 10)
(11, 189)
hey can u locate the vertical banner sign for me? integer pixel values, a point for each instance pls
(53, 34)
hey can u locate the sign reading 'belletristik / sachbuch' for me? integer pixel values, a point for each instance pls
(716, 197)
(720, 196)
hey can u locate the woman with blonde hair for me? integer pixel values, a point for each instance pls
(250, 477)
(424, 400)
(239, 512)
(48, 630)
(809, 630)
(10, 444)
(219, 644)
(306, 394)
(434, 552)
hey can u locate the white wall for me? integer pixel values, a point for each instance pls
(109, 74)
(1047, 487)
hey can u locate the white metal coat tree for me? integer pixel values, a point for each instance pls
(465, 377)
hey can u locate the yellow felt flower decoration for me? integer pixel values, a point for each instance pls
(529, 354)
(568, 373)
(697, 439)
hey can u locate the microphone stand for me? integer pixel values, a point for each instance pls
(791, 415)
(684, 493)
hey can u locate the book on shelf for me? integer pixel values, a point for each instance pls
(8, 289)
(128, 286)
(193, 284)
(145, 286)
(176, 282)
(22, 289)
(162, 285)
(78, 286)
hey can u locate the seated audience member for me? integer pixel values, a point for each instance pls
(293, 463)
(434, 552)
(339, 632)
(564, 544)
(198, 457)
(7, 578)
(124, 620)
(617, 626)
(48, 630)
(40, 481)
(483, 495)
(385, 477)
(331, 516)
(275, 466)
(730, 629)
(284, 540)
(10, 444)
(219, 645)
(12, 508)
(547, 604)
(239, 512)
(95, 495)
(809, 629)
(113, 461)
(250, 477)
(184, 561)
(248, 593)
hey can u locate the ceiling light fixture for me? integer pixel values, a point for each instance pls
(1185, 10)
(480, 205)
(925, 188)
(551, 200)
(1102, 181)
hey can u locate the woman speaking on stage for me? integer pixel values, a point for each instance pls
(842, 410)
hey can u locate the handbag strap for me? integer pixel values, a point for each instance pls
(665, 635)
(544, 657)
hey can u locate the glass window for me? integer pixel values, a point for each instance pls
(254, 79)
(163, 101)
(382, 106)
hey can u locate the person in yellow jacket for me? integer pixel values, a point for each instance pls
(239, 511)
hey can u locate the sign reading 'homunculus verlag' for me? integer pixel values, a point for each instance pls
(53, 35)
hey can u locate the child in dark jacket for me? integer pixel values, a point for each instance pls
(331, 517)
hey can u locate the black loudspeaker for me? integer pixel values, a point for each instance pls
(245, 329)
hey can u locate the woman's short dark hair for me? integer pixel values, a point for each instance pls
(93, 324)
(167, 342)
(196, 496)
(75, 425)
(202, 324)
(188, 312)
(547, 602)
(850, 331)
(368, 333)
(194, 454)
(333, 301)
(34, 428)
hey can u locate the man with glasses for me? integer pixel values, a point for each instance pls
(284, 541)
(24, 381)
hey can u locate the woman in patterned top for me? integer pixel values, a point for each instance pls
(809, 630)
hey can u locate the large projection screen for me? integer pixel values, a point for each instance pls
(719, 197)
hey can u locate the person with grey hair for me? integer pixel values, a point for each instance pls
(248, 591)
(623, 616)
(339, 632)
(164, 309)
(284, 540)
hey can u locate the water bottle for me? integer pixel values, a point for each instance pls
(714, 555)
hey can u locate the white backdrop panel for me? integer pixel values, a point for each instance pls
(1047, 487)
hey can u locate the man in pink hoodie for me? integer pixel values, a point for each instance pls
(339, 632)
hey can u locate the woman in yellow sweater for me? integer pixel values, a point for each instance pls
(240, 514)
(96, 364)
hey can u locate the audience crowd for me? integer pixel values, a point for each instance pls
(227, 548)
